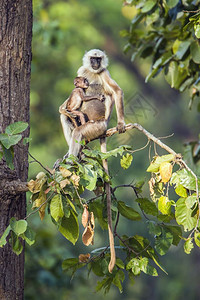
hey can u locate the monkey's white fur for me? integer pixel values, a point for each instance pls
(95, 53)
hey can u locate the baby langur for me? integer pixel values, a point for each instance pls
(76, 99)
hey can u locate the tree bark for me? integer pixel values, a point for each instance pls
(15, 68)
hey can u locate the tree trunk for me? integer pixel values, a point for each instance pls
(15, 67)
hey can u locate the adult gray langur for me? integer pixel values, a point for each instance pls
(98, 113)
(94, 68)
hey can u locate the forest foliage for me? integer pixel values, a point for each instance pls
(166, 33)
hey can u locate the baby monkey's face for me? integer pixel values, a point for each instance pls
(81, 82)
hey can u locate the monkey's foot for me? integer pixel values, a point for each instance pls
(57, 163)
(66, 156)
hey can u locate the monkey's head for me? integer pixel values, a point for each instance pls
(95, 60)
(81, 82)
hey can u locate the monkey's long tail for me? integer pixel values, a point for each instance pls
(109, 214)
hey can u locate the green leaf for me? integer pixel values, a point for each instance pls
(182, 48)
(69, 228)
(164, 59)
(172, 3)
(147, 206)
(29, 236)
(163, 241)
(16, 244)
(181, 191)
(155, 165)
(1, 155)
(90, 176)
(69, 263)
(147, 268)
(197, 238)
(128, 212)
(134, 265)
(8, 154)
(16, 128)
(154, 228)
(197, 30)
(126, 161)
(155, 259)
(27, 140)
(191, 201)
(4, 236)
(104, 284)
(97, 207)
(118, 279)
(18, 227)
(148, 6)
(176, 74)
(9, 140)
(56, 207)
(176, 232)
(185, 178)
(119, 263)
(184, 215)
(100, 267)
(164, 205)
(188, 246)
(195, 52)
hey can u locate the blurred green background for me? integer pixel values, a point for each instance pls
(62, 32)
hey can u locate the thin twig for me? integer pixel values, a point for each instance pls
(117, 221)
(191, 11)
(165, 137)
(39, 163)
(130, 249)
(139, 149)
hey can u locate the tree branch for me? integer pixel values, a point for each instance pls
(16, 186)
(150, 136)
(13, 187)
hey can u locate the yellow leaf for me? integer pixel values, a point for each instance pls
(64, 182)
(164, 205)
(40, 175)
(165, 171)
(75, 179)
(83, 258)
(65, 172)
(35, 186)
(38, 202)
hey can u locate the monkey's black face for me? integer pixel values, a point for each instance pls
(95, 62)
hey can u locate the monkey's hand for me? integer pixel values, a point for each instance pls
(101, 97)
(121, 127)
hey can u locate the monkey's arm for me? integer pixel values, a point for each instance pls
(118, 96)
(85, 97)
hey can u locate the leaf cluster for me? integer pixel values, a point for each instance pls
(11, 137)
(60, 194)
(168, 33)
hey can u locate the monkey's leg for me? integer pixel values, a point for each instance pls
(109, 213)
(89, 130)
